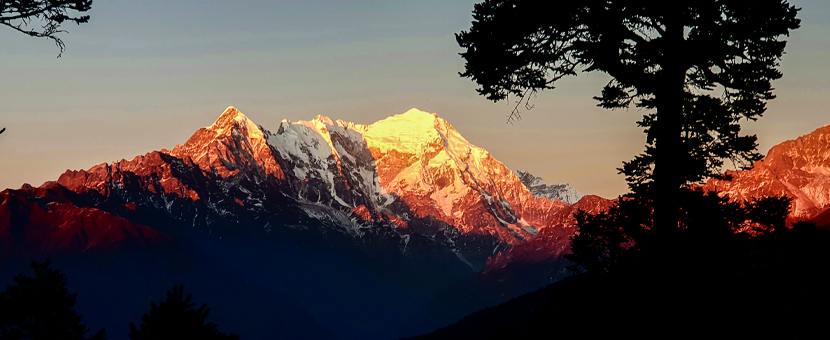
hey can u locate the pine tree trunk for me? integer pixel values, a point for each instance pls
(667, 163)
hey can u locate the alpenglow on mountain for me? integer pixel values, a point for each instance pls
(409, 182)
(798, 168)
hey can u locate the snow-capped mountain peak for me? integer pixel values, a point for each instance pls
(406, 132)
(232, 142)
(562, 191)
(232, 120)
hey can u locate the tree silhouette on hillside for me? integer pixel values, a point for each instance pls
(177, 318)
(40, 307)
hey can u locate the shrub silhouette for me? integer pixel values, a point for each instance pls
(176, 318)
(708, 224)
(40, 307)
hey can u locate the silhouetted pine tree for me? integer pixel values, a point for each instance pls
(176, 318)
(40, 307)
(695, 68)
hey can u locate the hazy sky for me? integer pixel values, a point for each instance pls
(144, 75)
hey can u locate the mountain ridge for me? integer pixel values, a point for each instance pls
(798, 168)
(411, 173)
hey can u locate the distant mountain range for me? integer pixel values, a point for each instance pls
(408, 200)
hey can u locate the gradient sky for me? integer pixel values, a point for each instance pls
(144, 75)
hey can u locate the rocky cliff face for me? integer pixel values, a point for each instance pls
(797, 168)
